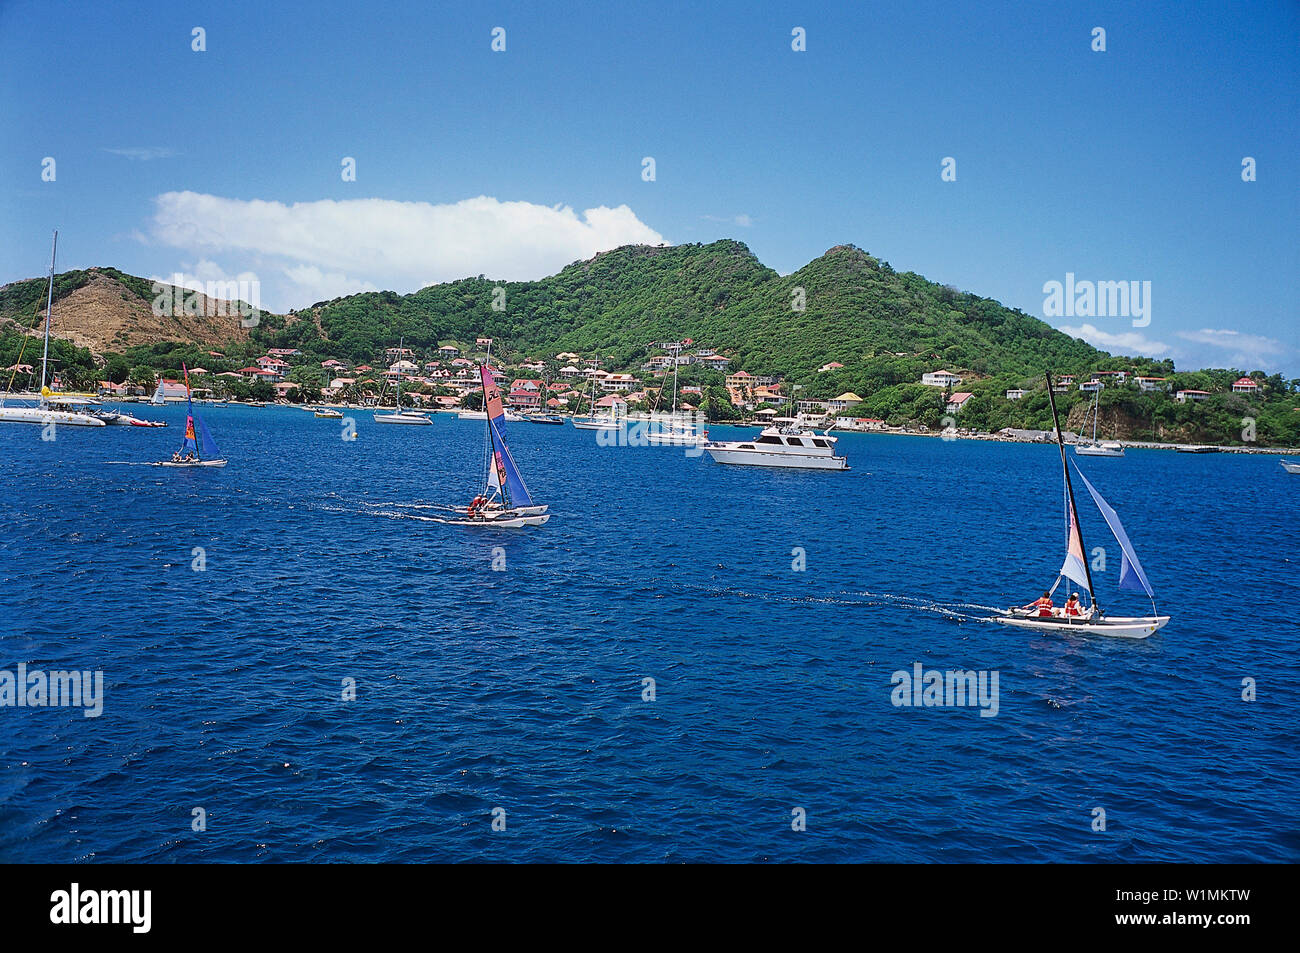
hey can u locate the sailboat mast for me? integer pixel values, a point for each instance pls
(49, 307)
(1069, 490)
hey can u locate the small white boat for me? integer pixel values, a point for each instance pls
(329, 413)
(190, 463)
(597, 423)
(402, 417)
(544, 419)
(471, 415)
(504, 521)
(1124, 627)
(1108, 449)
(197, 449)
(781, 447)
(1082, 617)
(505, 501)
(1095, 448)
(1290, 467)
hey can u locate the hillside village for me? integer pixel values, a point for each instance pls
(447, 378)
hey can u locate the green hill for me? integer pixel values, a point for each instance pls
(847, 307)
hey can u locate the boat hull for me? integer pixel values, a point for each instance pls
(790, 461)
(1290, 467)
(1122, 627)
(502, 522)
(1091, 451)
(34, 415)
(590, 424)
(675, 439)
(417, 420)
(191, 463)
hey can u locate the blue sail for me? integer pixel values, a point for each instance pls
(1131, 575)
(210, 451)
(507, 473)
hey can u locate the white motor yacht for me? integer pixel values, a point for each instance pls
(781, 447)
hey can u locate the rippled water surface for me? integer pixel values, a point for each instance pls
(522, 689)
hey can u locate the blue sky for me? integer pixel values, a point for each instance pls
(1114, 166)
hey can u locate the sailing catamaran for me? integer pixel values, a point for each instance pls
(401, 416)
(1094, 449)
(49, 408)
(197, 449)
(505, 500)
(1075, 568)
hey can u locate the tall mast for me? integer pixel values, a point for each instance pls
(1069, 491)
(401, 346)
(49, 306)
(677, 352)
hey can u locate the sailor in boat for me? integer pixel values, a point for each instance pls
(1044, 606)
(1072, 607)
(475, 505)
(176, 456)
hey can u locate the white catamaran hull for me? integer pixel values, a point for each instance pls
(191, 463)
(1124, 627)
(502, 522)
(35, 415)
(1290, 467)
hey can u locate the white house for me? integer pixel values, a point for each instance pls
(843, 402)
(1183, 396)
(1016, 393)
(1092, 386)
(618, 382)
(940, 379)
(1151, 383)
(957, 401)
(1244, 385)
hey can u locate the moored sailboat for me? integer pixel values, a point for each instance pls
(1087, 617)
(1109, 448)
(49, 409)
(400, 416)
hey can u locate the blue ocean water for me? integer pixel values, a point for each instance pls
(522, 689)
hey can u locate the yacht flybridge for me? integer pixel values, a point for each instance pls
(48, 407)
(781, 447)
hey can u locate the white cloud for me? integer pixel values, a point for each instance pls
(1236, 349)
(327, 248)
(145, 153)
(1204, 348)
(1126, 342)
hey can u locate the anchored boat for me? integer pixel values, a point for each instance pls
(781, 447)
(401, 416)
(1109, 448)
(1087, 617)
(49, 408)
